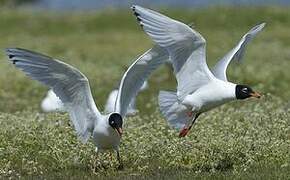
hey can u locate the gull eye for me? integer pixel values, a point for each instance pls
(245, 90)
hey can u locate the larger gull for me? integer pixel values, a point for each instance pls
(199, 89)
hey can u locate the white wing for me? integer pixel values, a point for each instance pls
(219, 70)
(136, 74)
(145, 85)
(131, 110)
(69, 84)
(111, 101)
(186, 48)
(110, 104)
(51, 103)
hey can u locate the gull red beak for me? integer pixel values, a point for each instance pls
(255, 94)
(119, 131)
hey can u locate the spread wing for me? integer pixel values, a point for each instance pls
(136, 74)
(219, 70)
(68, 83)
(186, 48)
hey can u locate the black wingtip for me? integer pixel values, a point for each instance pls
(9, 53)
(14, 61)
(133, 7)
(11, 56)
(136, 14)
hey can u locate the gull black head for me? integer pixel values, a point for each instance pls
(244, 92)
(116, 122)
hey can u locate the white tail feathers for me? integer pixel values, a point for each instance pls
(172, 110)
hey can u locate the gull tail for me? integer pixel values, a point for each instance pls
(172, 110)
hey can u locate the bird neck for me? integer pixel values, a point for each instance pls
(228, 89)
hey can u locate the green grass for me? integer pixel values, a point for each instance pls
(248, 139)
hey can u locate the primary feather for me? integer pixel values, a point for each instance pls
(219, 70)
(186, 48)
(137, 73)
(68, 83)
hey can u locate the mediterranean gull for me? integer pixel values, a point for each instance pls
(73, 89)
(198, 89)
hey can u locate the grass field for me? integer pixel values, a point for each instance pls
(245, 140)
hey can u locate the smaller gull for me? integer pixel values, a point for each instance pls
(73, 89)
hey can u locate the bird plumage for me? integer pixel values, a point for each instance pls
(198, 88)
(73, 89)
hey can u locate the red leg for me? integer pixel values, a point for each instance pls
(186, 129)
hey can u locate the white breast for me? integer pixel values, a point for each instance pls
(211, 95)
(104, 136)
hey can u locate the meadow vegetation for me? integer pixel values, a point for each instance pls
(247, 139)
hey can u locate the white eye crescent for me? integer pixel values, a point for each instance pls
(245, 90)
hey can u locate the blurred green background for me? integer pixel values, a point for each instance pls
(241, 139)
